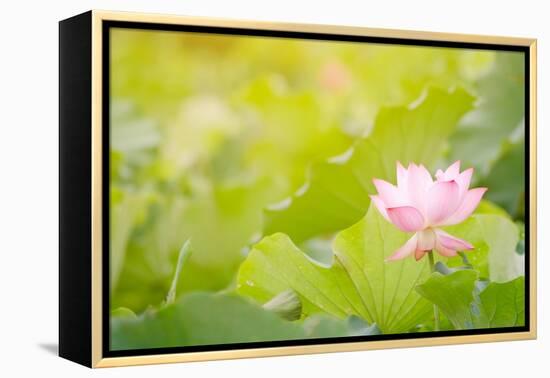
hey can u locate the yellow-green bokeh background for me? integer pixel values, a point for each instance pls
(207, 130)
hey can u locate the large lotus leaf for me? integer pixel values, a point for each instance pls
(201, 319)
(468, 306)
(336, 194)
(358, 282)
(495, 238)
(507, 178)
(480, 136)
(453, 294)
(491, 137)
(503, 304)
(214, 319)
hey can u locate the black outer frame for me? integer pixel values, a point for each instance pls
(75, 185)
(75, 189)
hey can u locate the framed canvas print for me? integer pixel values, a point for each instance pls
(236, 189)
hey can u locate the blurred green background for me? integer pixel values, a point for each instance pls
(207, 131)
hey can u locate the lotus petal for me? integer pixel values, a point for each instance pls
(406, 218)
(405, 250)
(443, 200)
(448, 241)
(467, 207)
(389, 194)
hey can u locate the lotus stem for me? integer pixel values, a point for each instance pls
(436, 309)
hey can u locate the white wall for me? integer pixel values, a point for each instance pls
(28, 185)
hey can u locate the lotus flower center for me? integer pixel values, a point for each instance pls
(426, 239)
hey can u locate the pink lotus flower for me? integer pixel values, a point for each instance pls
(420, 205)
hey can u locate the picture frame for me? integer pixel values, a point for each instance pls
(85, 116)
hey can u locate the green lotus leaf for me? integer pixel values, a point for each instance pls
(480, 135)
(495, 238)
(506, 178)
(359, 282)
(336, 194)
(453, 294)
(214, 319)
(469, 303)
(503, 304)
